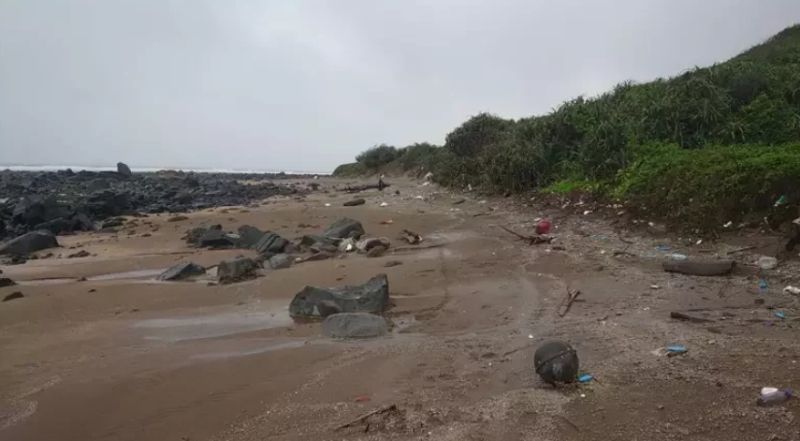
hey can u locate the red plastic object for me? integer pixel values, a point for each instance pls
(543, 226)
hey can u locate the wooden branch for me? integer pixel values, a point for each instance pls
(532, 240)
(367, 415)
(572, 294)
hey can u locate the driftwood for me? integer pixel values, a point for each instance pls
(739, 250)
(357, 188)
(572, 294)
(532, 240)
(689, 318)
(699, 267)
(381, 410)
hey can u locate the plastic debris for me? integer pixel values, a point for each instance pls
(384, 204)
(678, 256)
(773, 397)
(781, 200)
(791, 290)
(585, 378)
(779, 314)
(673, 350)
(543, 226)
(327, 204)
(663, 248)
(728, 224)
(762, 286)
(655, 287)
(767, 262)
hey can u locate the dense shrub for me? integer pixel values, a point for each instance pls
(378, 156)
(714, 185)
(753, 98)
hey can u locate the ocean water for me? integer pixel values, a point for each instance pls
(77, 168)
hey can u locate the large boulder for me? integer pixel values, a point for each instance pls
(249, 236)
(344, 228)
(354, 325)
(236, 269)
(271, 243)
(124, 170)
(182, 271)
(29, 243)
(372, 296)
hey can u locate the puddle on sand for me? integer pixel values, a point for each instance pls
(245, 352)
(45, 282)
(213, 325)
(138, 274)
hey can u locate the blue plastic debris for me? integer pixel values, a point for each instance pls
(762, 286)
(676, 349)
(779, 314)
(663, 248)
(585, 378)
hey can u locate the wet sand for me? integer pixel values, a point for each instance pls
(121, 356)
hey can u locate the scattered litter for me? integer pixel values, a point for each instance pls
(663, 248)
(655, 287)
(420, 197)
(727, 224)
(587, 212)
(792, 290)
(585, 378)
(779, 314)
(773, 396)
(387, 222)
(327, 204)
(699, 241)
(762, 286)
(411, 237)
(530, 336)
(781, 200)
(543, 226)
(673, 350)
(767, 262)
(384, 204)
(678, 256)
(583, 395)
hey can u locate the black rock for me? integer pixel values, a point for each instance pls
(249, 236)
(29, 243)
(124, 170)
(55, 226)
(354, 325)
(372, 296)
(280, 261)
(13, 296)
(182, 271)
(213, 238)
(312, 239)
(236, 269)
(344, 228)
(271, 243)
(5, 281)
(556, 362)
(355, 202)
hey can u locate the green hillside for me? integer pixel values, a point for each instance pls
(656, 145)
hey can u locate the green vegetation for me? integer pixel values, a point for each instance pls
(710, 144)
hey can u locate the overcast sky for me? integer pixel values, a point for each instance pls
(306, 85)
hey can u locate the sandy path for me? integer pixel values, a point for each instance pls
(139, 360)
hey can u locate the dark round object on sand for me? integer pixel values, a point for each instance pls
(556, 362)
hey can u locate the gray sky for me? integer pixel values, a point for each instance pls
(306, 85)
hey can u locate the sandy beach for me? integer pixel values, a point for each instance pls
(99, 350)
